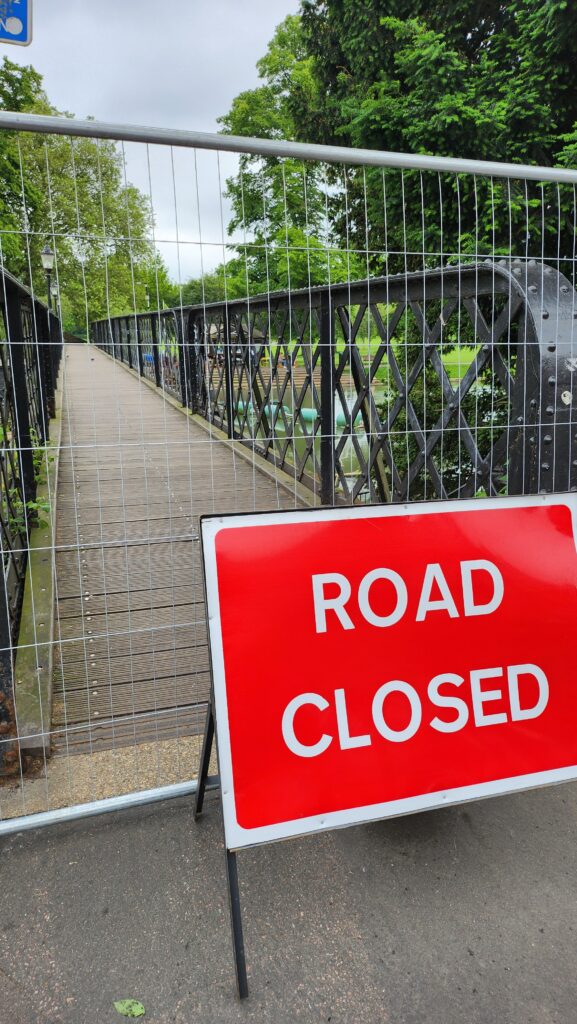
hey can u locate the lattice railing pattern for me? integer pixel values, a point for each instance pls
(30, 351)
(427, 385)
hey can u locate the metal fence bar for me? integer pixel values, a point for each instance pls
(435, 364)
(534, 434)
(29, 368)
(267, 148)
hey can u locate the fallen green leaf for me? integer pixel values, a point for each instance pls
(129, 1008)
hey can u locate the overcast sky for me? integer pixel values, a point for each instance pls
(175, 63)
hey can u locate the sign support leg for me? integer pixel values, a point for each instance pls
(204, 760)
(231, 868)
(236, 924)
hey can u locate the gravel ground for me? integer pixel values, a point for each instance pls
(80, 778)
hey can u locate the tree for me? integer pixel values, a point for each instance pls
(73, 194)
(19, 88)
(464, 78)
(486, 80)
(281, 206)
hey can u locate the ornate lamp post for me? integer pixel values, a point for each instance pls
(47, 257)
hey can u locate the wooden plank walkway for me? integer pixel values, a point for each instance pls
(131, 661)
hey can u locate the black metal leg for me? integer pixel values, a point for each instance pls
(236, 924)
(204, 760)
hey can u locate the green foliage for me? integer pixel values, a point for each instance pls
(75, 196)
(129, 1008)
(18, 513)
(462, 78)
(280, 206)
(467, 78)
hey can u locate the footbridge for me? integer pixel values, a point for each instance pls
(431, 354)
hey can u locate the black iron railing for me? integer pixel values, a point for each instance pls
(448, 383)
(30, 352)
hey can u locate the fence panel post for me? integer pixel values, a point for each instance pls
(9, 752)
(139, 347)
(41, 328)
(45, 318)
(182, 357)
(228, 375)
(327, 417)
(54, 353)
(155, 323)
(129, 343)
(21, 401)
(193, 360)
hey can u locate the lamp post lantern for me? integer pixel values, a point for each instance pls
(47, 257)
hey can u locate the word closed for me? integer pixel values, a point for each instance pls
(369, 662)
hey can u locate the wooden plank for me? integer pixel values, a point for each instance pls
(131, 654)
(133, 668)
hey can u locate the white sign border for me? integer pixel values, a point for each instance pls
(28, 40)
(238, 837)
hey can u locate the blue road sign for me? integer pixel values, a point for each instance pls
(16, 22)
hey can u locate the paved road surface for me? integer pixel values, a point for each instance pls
(461, 916)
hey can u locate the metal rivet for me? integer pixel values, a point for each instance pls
(552, 380)
(547, 439)
(533, 403)
(532, 287)
(551, 348)
(545, 465)
(519, 419)
(545, 314)
(551, 410)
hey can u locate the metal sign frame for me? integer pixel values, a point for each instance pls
(16, 22)
(237, 837)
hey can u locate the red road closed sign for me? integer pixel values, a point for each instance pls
(370, 662)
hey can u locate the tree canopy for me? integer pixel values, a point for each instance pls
(466, 78)
(73, 194)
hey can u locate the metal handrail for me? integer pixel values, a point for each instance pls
(51, 125)
(525, 350)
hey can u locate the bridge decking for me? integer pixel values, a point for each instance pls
(131, 658)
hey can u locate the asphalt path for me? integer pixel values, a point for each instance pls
(462, 916)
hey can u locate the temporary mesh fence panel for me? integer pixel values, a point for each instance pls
(340, 333)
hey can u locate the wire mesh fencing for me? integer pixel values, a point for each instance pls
(255, 326)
